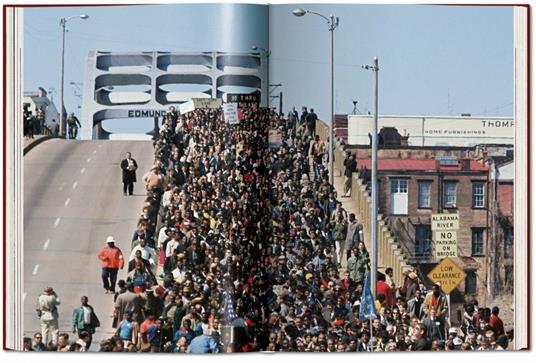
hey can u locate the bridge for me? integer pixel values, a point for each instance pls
(73, 199)
(126, 85)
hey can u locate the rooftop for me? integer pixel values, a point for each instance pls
(418, 164)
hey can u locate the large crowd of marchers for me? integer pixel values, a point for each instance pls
(236, 236)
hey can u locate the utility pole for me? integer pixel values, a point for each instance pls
(374, 182)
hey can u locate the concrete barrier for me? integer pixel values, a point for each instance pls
(390, 253)
(34, 142)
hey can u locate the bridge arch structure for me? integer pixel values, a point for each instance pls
(144, 84)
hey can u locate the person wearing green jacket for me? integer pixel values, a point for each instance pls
(85, 319)
(339, 235)
(363, 262)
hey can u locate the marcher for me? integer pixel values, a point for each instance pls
(350, 166)
(47, 311)
(112, 260)
(85, 320)
(73, 123)
(129, 167)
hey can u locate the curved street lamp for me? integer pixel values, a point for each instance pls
(63, 23)
(333, 23)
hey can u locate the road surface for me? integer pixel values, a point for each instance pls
(73, 199)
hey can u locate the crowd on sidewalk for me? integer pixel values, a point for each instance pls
(241, 247)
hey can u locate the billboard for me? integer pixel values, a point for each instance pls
(436, 130)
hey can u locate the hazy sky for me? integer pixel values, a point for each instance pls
(435, 60)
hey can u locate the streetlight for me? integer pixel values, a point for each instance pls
(333, 23)
(374, 181)
(63, 23)
(267, 54)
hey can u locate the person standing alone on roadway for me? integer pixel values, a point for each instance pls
(47, 311)
(129, 166)
(112, 260)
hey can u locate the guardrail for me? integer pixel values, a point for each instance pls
(390, 252)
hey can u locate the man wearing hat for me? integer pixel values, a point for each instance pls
(47, 311)
(112, 260)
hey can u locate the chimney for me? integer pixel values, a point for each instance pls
(466, 164)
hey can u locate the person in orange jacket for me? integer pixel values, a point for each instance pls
(112, 260)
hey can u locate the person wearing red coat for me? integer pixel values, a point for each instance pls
(384, 289)
(112, 260)
(496, 323)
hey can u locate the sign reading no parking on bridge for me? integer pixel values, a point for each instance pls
(446, 244)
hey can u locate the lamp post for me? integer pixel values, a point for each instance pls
(333, 23)
(63, 23)
(374, 182)
(267, 54)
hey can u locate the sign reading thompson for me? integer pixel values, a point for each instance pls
(448, 274)
(445, 222)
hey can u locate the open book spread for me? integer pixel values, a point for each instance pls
(192, 190)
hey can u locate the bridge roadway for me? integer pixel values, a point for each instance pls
(73, 200)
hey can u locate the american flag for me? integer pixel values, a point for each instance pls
(228, 307)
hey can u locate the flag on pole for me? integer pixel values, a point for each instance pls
(228, 308)
(367, 310)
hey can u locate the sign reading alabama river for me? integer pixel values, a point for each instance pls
(445, 222)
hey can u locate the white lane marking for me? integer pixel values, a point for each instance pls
(67, 202)
(24, 296)
(61, 187)
(75, 184)
(45, 245)
(94, 151)
(57, 222)
(36, 268)
(88, 160)
(82, 170)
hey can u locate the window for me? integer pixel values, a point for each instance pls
(399, 196)
(423, 240)
(508, 242)
(399, 186)
(478, 194)
(470, 282)
(449, 194)
(425, 198)
(477, 244)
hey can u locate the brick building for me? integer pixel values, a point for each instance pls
(416, 182)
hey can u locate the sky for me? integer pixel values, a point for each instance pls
(434, 60)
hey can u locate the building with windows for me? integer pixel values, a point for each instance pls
(33, 100)
(475, 182)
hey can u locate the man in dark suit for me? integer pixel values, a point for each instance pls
(129, 167)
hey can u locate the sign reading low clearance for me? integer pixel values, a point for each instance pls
(445, 222)
(448, 274)
(446, 244)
